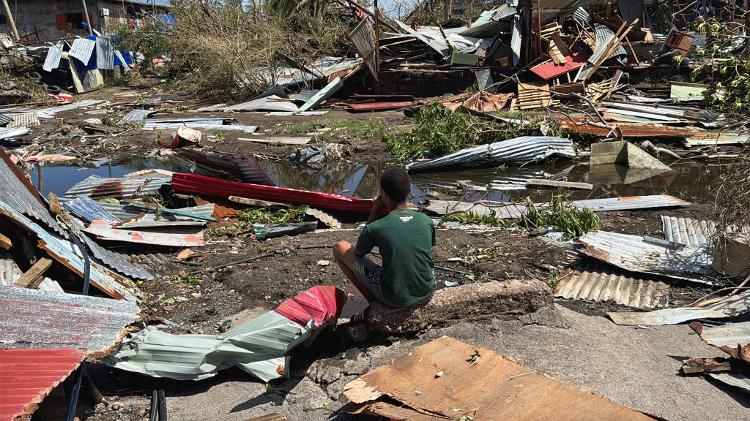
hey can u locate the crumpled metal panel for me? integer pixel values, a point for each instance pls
(730, 307)
(693, 232)
(7, 133)
(105, 53)
(18, 192)
(365, 40)
(267, 103)
(68, 255)
(89, 210)
(119, 262)
(208, 124)
(250, 170)
(29, 375)
(734, 379)
(612, 204)
(259, 346)
(81, 49)
(54, 54)
(23, 120)
(50, 112)
(599, 283)
(647, 255)
(519, 150)
(603, 35)
(135, 116)
(119, 188)
(30, 318)
(730, 334)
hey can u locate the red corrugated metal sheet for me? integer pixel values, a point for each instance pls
(208, 186)
(27, 376)
(551, 70)
(319, 303)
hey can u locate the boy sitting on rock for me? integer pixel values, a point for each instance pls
(405, 239)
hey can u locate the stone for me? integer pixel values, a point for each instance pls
(506, 299)
(358, 365)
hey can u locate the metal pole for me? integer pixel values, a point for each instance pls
(88, 19)
(73, 404)
(162, 404)
(40, 177)
(11, 21)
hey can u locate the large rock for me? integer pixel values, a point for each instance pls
(465, 302)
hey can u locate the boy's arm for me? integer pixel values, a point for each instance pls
(364, 243)
(377, 206)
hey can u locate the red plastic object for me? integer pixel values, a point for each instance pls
(380, 106)
(27, 376)
(320, 303)
(551, 70)
(209, 186)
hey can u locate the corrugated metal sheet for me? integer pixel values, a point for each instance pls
(31, 318)
(259, 346)
(730, 307)
(250, 170)
(734, 379)
(64, 252)
(519, 150)
(647, 255)
(104, 231)
(105, 53)
(691, 231)
(29, 375)
(197, 123)
(267, 103)
(23, 120)
(516, 39)
(655, 201)
(135, 116)
(603, 36)
(582, 15)
(150, 220)
(440, 47)
(597, 282)
(81, 49)
(89, 210)
(365, 40)
(7, 133)
(119, 188)
(729, 335)
(719, 139)
(322, 94)
(4, 119)
(497, 209)
(17, 191)
(119, 262)
(54, 54)
(50, 112)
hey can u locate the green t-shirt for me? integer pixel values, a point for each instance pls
(405, 239)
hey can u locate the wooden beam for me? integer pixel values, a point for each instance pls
(5, 242)
(556, 183)
(33, 277)
(256, 202)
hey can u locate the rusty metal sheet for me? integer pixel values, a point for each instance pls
(597, 282)
(29, 375)
(641, 254)
(18, 192)
(104, 231)
(69, 256)
(693, 232)
(450, 379)
(730, 307)
(31, 318)
(119, 188)
(732, 338)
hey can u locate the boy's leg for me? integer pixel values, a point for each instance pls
(343, 252)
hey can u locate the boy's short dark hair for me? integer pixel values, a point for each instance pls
(396, 184)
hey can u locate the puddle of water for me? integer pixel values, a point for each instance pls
(688, 181)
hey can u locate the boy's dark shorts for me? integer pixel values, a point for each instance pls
(370, 276)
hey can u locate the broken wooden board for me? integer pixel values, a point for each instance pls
(257, 202)
(5, 242)
(33, 277)
(450, 379)
(540, 182)
(104, 231)
(533, 95)
(470, 301)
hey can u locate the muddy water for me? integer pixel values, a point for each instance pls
(689, 181)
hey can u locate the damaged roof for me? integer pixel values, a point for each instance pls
(31, 318)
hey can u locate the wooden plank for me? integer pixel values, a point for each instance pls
(33, 277)
(256, 202)
(280, 140)
(269, 417)
(557, 183)
(5, 242)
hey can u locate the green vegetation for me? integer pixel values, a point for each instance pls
(491, 220)
(344, 128)
(440, 131)
(572, 222)
(726, 72)
(266, 216)
(218, 49)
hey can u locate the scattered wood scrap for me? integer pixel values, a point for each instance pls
(33, 277)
